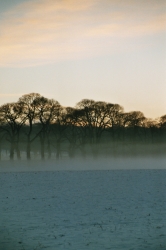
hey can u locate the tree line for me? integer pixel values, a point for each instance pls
(38, 125)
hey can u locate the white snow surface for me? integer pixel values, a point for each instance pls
(80, 210)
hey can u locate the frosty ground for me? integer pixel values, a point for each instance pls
(97, 208)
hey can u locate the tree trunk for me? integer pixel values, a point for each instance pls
(12, 151)
(42, 146)
(18, 151)
(58, 149)
(28, 150)
(0, 150)
(49, 147)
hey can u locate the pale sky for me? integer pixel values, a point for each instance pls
(105, 50)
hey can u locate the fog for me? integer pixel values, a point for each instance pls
(83, 164)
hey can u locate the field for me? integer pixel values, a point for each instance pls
(105, 206)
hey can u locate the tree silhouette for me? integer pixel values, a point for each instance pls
(30, 111)
(12, 120)
(82, 129)
(163, 121)
(134, 120)
(47, 111)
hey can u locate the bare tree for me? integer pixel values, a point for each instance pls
(151, 127)
(74, 130)
(134, 120)
(47, 111)
(98, 116)
(12, 120)
(61, 129)
(29, 110)
(162, 128)
(114, 115)
(163, 121)
(86, 117)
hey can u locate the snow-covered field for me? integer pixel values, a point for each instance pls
(77, 210)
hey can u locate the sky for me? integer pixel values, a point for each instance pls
(68, 50)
